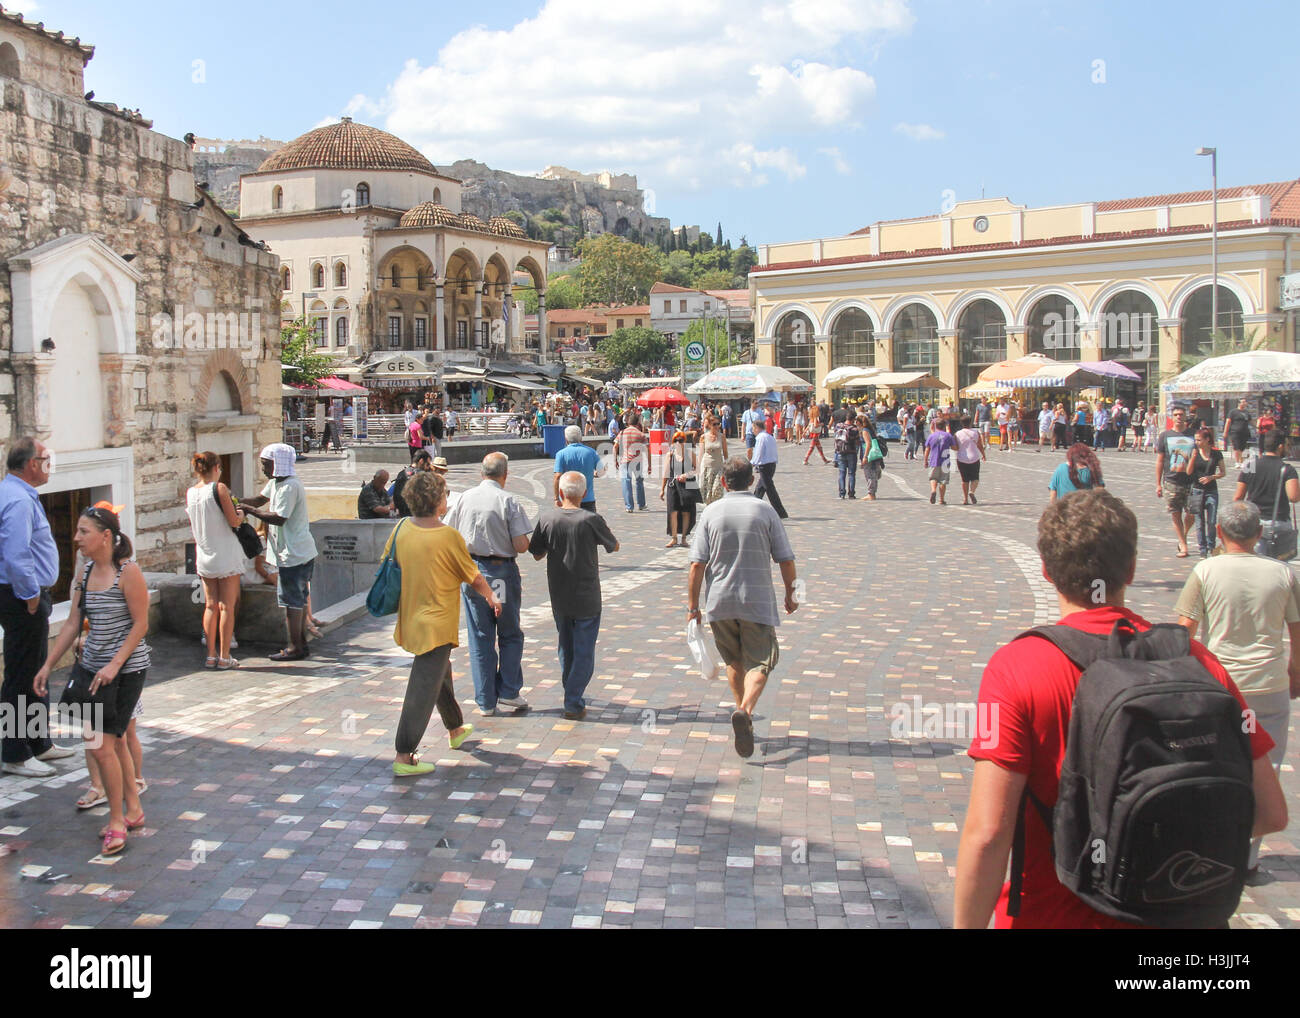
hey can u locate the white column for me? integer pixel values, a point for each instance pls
(478, 313)
(440, 329)
(542, 345)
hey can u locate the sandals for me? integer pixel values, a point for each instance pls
(131, 825)
(91, 798)
(114, 842)
(226, 663)
(141, 786)
(210, 662)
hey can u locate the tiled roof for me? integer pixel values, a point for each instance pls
(14, 18)
(428, 214)
(1283, 196)
(731, 296)
(630, 309)
(566, 315)
(669, 288)
(347, 146)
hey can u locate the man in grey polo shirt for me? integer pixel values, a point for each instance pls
(737, 540)
(496, 530)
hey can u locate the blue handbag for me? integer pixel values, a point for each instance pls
(386, 592)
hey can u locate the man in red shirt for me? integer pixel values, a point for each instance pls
(1088, 544)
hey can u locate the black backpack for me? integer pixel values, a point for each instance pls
(1155, 806)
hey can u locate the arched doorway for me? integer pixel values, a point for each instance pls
(1198, 329)
(1128, 331)
(1052, 328)
(796, 350)
(981, 339)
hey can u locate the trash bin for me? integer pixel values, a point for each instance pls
(658, 441)
(552, 438)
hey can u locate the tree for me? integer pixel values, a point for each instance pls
(714, 333)
(743, 259)
(615, 271)
(719, 240)
(300, 364)
(1224, 343)
(633, 346)
(678, 268)
(713, 279)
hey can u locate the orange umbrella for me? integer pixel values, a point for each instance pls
(1018, 367)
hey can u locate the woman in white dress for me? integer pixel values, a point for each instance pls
(220, 556)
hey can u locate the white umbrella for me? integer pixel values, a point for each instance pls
(1062, 376)
(846, 376)
(908, 380)
(749, 380)
(1238, 374)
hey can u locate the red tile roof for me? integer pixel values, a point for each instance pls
(669, 288)
(631, 310)
(563, 316)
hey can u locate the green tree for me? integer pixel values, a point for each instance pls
(679, 268)
(633, 347)
(714, 334)
(1221, 345)
(615, 271)
(743, 259)
(300, 364)
(719, 239)
(714, 279)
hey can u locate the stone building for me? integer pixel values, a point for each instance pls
(138, 322)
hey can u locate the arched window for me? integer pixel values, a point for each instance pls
(1198, 333)
(852, 340)
(437, 196)
(421, 279)
(363, 193)
(286, 278)
(1052, 328)
(319, 330)
(341, 331)
(340, 274)
(277, 197)
(795, 348)
(318, 276)
(1128, 331)
(8, 60)
(397, 275)
(916, 339)
(981, 339)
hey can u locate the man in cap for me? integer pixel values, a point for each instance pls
(282, 506)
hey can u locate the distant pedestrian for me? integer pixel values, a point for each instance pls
(848, 455)
(815, 423)
(679, 489)
(451, 421)
(738, 540)
(712, 455)
(373, 502)
(970, 453)
(434, 563)
(415, 434)
(1173, 449)
(1080, 471)
(570, 535)
(763, 457)
(577, 455)
(423, 461)
(939, 458)
(219, 557)
(1100, 426)
(1272, 486)
(630, 451)
(874, 463)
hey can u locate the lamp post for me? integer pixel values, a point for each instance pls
(1213, 153)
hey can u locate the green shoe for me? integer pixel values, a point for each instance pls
(465, 732)
(404, 770)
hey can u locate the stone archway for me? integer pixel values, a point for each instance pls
(227, 362)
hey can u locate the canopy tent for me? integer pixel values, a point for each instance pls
(749, 380)
(985, 388)
(1113, 369)
(1239, 374)
(648, 381)
(1016, 367)
(662, 397)
(335, 384)
(1061, 376)
(515, 382)
(907, 380)
(849, 376)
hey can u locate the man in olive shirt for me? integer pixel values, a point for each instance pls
(571, 535)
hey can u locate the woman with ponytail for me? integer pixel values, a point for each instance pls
(1079, 472)
(114, 659)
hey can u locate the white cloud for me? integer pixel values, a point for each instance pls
(683, 92)
(837, 159)
(919, 132)
(24, 7)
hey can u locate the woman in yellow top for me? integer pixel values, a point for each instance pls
(434, 563)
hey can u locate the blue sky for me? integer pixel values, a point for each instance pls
(784, 119)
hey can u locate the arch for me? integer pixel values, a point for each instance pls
(781, 310)
(1103, 296)
(223, 395)
(225, 362)
(1125, 330)
(981, 337)
(317, 276)
(958, 307)
(1027, 302)
(403, 266)
(1184, 292)
(341, 304)
(9, 64)
(393, 304)
(853, 335)
(109, 282)
(796, 344)
(340, 274)
(437, 196)
(898, 303)
(1052, 325)
(1196, 318)
(363, 194)
(530, 265)
(318, 305)
(277, 198)
(459, 261)
(915, 331)
(622, 226)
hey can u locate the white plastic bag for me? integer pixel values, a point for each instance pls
(703, 650)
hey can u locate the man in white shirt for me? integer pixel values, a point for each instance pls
(1046, 421)
(763, 457)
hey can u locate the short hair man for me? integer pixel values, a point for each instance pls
(282, 506)
(630, 450)
(577, 455)
(29, 567)
(1028, 686)
(422, 462)
(373, 502)
(571, 535)
(1246, 603)
(737, 539)
(496, 530)
(939, 458)
(763, 458)
(1236, 430)
(1174, 448)
(1268, 482)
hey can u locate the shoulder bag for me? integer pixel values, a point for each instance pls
(244, 532)
(1277, 538)
(386, 592)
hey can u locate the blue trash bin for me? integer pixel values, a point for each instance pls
(552, 438)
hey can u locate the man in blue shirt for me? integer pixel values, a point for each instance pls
(580, 458)
(29, 566)
(763, 457)
(1100, 425)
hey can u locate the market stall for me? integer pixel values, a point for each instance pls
(1269, 380)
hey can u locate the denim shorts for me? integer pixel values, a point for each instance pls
(291, 590)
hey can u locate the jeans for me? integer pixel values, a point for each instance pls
(577, 656)
(26, 642)
(1205, 522)
(496, 645)
(630, 471)
(848, 464)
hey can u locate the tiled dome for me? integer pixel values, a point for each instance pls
(506, 227)
(473, 222)
(429, 213)
(347, 146)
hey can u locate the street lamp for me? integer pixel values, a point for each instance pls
(1213, 153)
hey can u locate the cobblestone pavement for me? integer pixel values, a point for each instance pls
(271, 800)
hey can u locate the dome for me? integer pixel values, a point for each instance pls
(506, 227)
(347, 146)
(429, 213)
(472, 222)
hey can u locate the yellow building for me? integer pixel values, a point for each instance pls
(1125, 280)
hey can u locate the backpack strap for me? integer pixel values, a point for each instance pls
(1018, 847)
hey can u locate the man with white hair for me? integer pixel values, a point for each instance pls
(571, 535)
(496, 530)
(1246, 603)
(577, 455)
(288, 539)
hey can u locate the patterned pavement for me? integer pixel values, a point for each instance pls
(271, 802)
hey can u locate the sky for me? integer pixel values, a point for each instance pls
(781, 119)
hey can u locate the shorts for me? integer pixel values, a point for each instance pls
(1176, 497)
(118, 700)
(940, 475)
(1238, 440)
(750, 646)
(291, 585)
(969, 471)
(749, 440)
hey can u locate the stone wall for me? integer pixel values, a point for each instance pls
(71, 168)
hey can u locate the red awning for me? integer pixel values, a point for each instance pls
(338, 384)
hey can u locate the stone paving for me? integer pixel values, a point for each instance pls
(271, 802)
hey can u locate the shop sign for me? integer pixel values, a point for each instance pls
(1290, 292)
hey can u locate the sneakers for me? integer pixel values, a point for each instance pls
(405, 770)
(517, 703)
(743, 726)
(30, 768)
(465, 732)
(55, 753)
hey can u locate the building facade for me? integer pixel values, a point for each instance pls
(950, 294)
(138, 322)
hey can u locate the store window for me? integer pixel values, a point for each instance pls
(1052, 328)
(421, 333)
(916, 339)
(1198, 331)
(341, 332)
(796, 350)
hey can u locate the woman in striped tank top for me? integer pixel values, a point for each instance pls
(112, 595)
